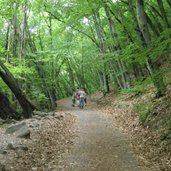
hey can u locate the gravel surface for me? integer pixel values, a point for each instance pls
(99, 146)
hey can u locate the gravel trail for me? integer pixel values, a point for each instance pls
(84, 140)
(99, 146)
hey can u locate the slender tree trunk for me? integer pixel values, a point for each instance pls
(22, 52)
(71, 75)
(153, 28)
(127, 33)
(100, 74)
(136, 25)
(99, 32)
(49, 24)
(15, 37)
(121, 65)
(31, 43)
(8, 41)
(163, 13)
(50, 32)
(136, 67)
(126, 75)
(169, 2)
(82, 69)
(60, 92)
(115, 73)
(153, 67)
(45, 85)
(142, 21)
(156, 20)
(52, 100)
(100, 35)
(122, 75)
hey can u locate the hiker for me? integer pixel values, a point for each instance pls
(77, 95)
(82, 99)
(73, 99)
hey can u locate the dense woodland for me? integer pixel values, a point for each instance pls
(50, 47)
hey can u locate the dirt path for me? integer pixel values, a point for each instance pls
(99, 146)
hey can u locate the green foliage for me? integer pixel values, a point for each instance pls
(167, 136)
(139, 87)
(144, 111)
(3, 87)
(41, 100)
(137, 90)
(64, 46)
(160, 46)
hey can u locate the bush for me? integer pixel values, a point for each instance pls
(144, 111)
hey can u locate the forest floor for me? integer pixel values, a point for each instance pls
(51, 135)
(148, 138)
(103, 136)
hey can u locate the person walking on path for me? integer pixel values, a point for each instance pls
(77, 95)
(73, 99)
(82, 98)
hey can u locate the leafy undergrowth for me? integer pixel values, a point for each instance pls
(46, 145)
(148, 122)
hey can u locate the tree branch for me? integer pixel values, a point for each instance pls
(71, 26)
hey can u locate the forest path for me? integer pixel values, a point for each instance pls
(99, 146)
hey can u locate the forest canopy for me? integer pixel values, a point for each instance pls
(48, 48)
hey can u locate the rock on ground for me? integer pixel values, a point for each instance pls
(21, 130)
(51, 135)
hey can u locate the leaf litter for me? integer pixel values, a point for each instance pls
(146, 140)
(48, 141)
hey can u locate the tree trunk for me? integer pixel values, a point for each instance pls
(115, 73)
(169, 2)
(152, 26)
(163, 13)
(142, 21)
(102, 50)
(113, 33)
(99, 32)
(52, 99)
(15, 38)
(105, 79)
(100, 74)
(8, 39)
(6, 110)
(22, 52)
(157, 77)
(47, 90)
(156, 20)
(8, 78)
(71, 74)
(136, 25)
(50, 32)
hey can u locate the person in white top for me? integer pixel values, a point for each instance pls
(82, 93)
(82, 96)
